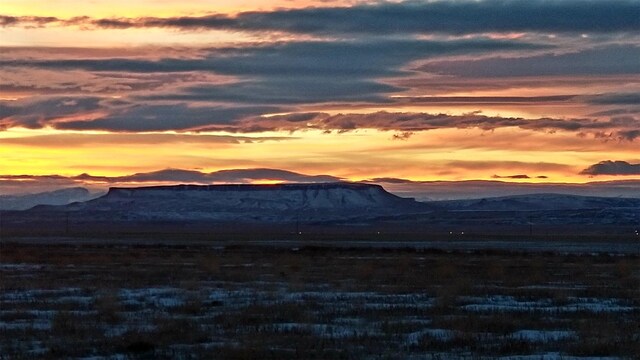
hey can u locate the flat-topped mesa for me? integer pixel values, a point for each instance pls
(245, 196)
(251, 187)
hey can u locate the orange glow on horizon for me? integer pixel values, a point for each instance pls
(426, 156)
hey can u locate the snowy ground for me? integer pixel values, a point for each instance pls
(118, 302)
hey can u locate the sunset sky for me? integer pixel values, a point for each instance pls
(535, 90)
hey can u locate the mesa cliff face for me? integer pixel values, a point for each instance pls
(273, 203)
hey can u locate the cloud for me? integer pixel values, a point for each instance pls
(610, 167)
(484, 99)
(629, 135)
(615, 99)
(519, 176)
(265, 79)
(352, 59)
(222, 176)
(622, 128)
(391, 180)
(95, 113)
(408, 17)
(184, 176)
(29, 21)
(602, 60)
(500, 165)
(126, 139)
(21, 184)
(38, 112)
(166, 117)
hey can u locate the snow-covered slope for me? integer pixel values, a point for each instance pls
(317, 202)
(58, 197)
(540, 202)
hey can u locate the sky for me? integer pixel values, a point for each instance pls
(103, 92)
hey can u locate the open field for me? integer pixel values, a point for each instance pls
(171, 300)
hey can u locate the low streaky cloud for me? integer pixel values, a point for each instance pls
(390, 180)
(601, 60)
(222, 176)
(616, 99)
(27, 21)
(38, 112)
(21, 184)
(241, 175)
(126, 139)
(95, 113)
(621, 128)
(408, 17)
(309, 59)
(166, 117)
(102, 113)
(518, 176)
(610, 167)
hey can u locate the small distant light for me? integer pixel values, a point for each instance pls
(462, 233)
(450, 232)
(299, 232)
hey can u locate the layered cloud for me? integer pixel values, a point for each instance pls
(221, 176)
(504, 82)
(622, 128)
(90, 113)
(604, 60)
(409, 17)
(519, 177)
(14, 184)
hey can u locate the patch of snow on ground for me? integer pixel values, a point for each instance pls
(159, 297)
(510, 304)
(20, 267)
(543, 335)
(439, 334)
(556, 356)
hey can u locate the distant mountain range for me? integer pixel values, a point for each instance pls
(57, 197)
(538, 202)
(478, 189)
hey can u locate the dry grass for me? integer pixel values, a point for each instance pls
(248, 302)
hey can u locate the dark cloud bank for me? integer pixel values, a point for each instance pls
(609, 167)
(124, 117)
(409, 17)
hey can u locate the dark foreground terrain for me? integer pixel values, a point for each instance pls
(135, 300)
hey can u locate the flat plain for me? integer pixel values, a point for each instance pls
(182, 300)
